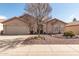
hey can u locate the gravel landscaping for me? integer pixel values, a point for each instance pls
(22, 44)
(33, 39)
(28, 39)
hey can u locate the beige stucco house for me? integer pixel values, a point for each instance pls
(27, 24)
(73, 26)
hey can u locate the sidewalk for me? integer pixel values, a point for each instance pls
(42, 50)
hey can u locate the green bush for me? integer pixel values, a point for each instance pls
(69, 33)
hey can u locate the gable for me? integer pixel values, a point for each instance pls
(59, 23)
(14, 22)
(27, 18)
(55, 21)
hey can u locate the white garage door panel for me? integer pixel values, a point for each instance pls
(17, 30)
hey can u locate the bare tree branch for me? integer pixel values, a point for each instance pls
(39, 11)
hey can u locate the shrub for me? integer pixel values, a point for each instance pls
(36, 37)
(69, 33)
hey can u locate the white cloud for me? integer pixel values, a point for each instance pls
(3, 17)
(73, 16)
(70, 18)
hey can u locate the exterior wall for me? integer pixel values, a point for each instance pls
(35, 27)
(57, 27)
(72, 28)
(49, 26)
(44, 28)
(15, 27)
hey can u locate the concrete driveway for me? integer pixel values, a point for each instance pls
(3, 37)
(42, 50)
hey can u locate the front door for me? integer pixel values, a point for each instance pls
(40, 29)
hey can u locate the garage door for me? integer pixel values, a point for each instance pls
(16, 30)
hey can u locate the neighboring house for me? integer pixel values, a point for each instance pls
(1, 25)
(73, 26)
(27, 24)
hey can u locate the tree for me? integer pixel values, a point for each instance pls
(39, 11)
(74, 19)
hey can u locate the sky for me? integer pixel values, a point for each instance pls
(66, 11)
(63, 11)
(9, 10)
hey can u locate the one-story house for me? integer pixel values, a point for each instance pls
(72, 26)
(27, 24)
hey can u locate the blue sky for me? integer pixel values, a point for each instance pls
(9, 10)
(66, 11)
(63, 11)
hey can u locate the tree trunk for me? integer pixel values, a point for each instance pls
(38, 30)
(38, 27)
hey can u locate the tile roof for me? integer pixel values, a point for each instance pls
(55, 19)
(30, 19)
(24, 18)
(73, 23)
(10, 19)
(2, 20)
